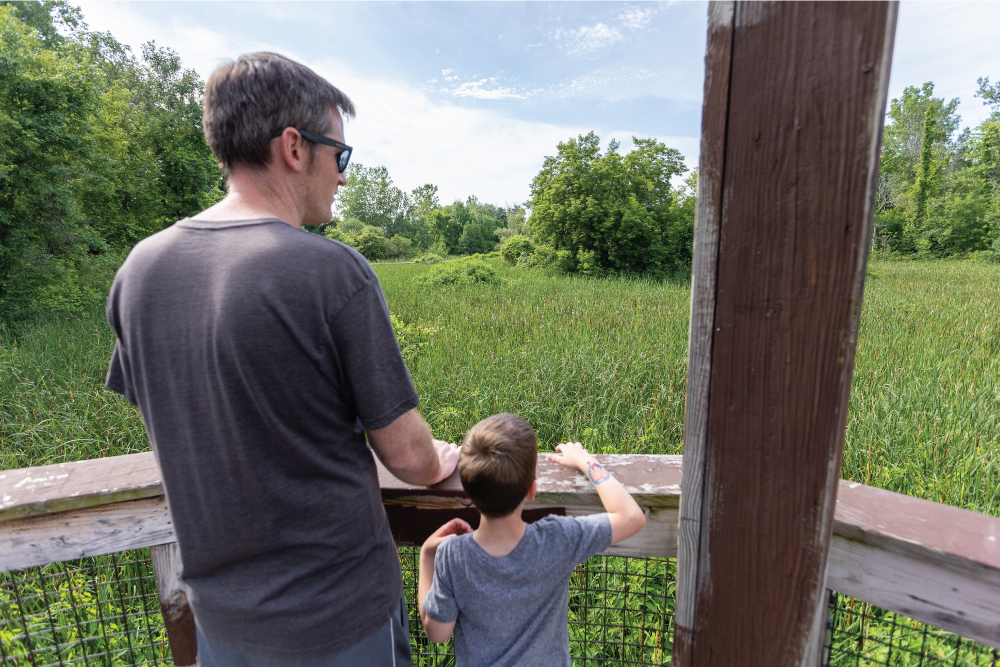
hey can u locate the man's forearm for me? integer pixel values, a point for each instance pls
(406, 448)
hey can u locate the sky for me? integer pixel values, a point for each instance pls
(471, 96)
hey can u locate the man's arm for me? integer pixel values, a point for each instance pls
(407, 449)
(625, 514)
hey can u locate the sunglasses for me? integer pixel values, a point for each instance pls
(342, 159)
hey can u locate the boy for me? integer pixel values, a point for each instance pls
(504, 589)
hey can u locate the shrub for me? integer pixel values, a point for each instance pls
(429, 258)
(398, 247)
(995, 251)
(463, 272)
(514, 247)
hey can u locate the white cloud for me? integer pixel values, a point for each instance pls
(464, 151)
(587, 39)
(635, 18)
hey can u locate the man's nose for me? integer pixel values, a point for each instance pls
(342, 178)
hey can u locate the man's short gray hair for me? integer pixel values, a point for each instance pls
(248, 100)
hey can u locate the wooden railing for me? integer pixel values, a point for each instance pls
(936, 564)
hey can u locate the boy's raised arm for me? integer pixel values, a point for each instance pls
(436, 631)
(625, 515)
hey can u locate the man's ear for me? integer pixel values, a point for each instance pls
(531, 491)
(291, 150)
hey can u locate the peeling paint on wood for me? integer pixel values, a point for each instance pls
(792, 123)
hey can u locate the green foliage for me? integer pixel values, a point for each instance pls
(619, 210)
(412, 338)
(514, 247)
(471, 271)
(97, 150)
(371, 198)
(938, 193)
(429, 258)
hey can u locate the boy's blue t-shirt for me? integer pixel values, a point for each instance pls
(513, 610)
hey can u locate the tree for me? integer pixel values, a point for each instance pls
(620, 213)
(371, 197)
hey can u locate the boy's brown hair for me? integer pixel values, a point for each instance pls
(497, 463)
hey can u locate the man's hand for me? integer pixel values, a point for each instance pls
(447, 453)
(407, 449)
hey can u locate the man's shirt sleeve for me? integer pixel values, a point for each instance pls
(439, 603)
(119, 377)
(372, 365)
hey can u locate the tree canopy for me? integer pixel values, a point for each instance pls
(617, 212)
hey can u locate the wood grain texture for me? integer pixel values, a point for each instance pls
(91, 531)
(68, 486)
(711, 169)
(802, 133)
(178, 618)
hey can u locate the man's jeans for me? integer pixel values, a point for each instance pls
(389, 646)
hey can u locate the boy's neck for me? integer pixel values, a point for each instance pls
(499, 536)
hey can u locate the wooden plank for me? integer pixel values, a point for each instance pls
(964, 602)
(711, 170)
(69, 486)
(91, 531)
(653, 480)
(178, 618)
(802, 132)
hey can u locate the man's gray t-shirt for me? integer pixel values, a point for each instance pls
(258, 354)
(513, 610)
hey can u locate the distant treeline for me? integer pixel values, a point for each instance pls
(100, 147)
(939, 188)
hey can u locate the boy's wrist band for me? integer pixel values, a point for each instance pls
(597, 473)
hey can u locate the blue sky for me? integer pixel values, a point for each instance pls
(471, 96)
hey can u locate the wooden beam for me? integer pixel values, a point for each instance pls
(91, 531)
(794, 103)
(71, 486)
(178, 619)
(938, 564)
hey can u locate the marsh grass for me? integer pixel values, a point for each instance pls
(604, 362)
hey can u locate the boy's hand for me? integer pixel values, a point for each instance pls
(573, 456)
(453, 527)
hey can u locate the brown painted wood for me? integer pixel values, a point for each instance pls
(711, 169)
(178, 618)
(802, 134)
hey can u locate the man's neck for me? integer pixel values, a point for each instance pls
(253, 195)
(499, 536)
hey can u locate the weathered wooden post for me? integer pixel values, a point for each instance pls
(178, 618)
(795, 97)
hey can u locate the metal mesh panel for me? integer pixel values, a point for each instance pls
(863, 635)
(104, 612)
(93, 612)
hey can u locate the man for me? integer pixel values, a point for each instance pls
(260, 356)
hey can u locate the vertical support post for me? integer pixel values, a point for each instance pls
(177, 615)
(795, 98)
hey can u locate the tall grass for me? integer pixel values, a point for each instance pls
(602, 361)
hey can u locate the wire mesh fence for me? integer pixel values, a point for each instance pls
(104, 612)
(863, 635)
(93, 612)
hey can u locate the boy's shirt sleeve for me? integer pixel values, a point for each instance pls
(439, 603)
(588, 535)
